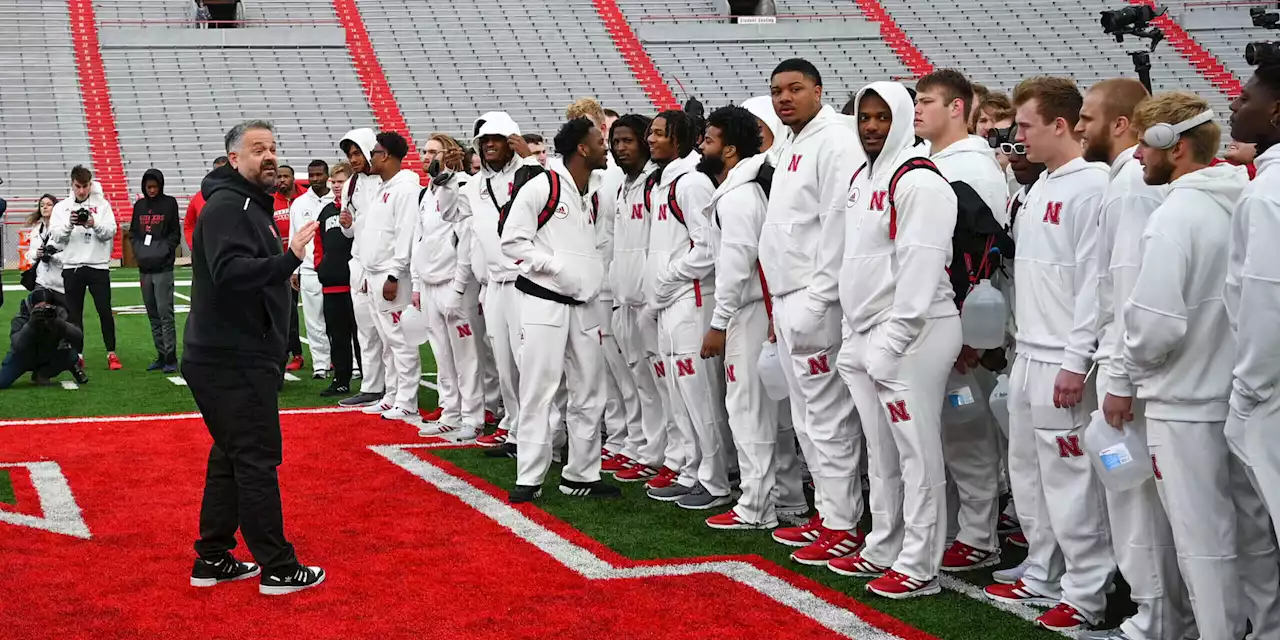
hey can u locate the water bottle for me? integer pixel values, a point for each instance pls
(983, 317)
(999, 404)
(1120, 457)
(771, 374)
(963, 402)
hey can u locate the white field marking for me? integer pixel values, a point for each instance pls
(973, 591)
(36, 422)
(304, 340)
(70, 385)
(430, 374)
(130, 284)
(290, 377)
(588, 565)
(430, 385)
(178, 380)
(182, 296)
(141, 310)
(59, 512)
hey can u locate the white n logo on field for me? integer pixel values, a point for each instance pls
(59, 512)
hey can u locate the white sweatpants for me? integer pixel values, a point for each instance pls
(696, 390)
(404, 370)
(901, 415)
(1061, 504)
(677, 451)
(1216, 516)
(823, 412)
(488, 370)
(972, 458)
(770, 472)
(622, 417)
(652, 440)
(560, 341)
(503, 318)
(312, 295)
(456, 349)
(374, 355)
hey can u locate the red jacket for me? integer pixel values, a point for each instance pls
(193, 213)
(282, 203)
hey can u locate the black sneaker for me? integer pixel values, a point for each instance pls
(292, 581)
(597, 489)
(524, 493)
(157, 365)
(335, 390)
(361, 400)
(226, 569)
(77, 372)
(504, 450)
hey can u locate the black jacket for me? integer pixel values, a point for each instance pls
(35, 343)
(155, 219)
(240, 293)
(333, 252)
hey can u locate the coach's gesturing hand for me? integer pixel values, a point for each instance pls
(302, 237)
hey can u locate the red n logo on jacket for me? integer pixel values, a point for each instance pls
(660, 369)
(794, 165)
(1053, 213)
(662, 212)
(684, 367)
(1069, 447)
(637, 211)
(464, 331)
(818, 365)
(729, 373)
(877, 200)
(898, 411)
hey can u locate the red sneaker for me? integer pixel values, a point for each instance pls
(831, 544)
(295, 363)
(663, 479)
(113, 362)
(801, 536)
(434, 415)
(857, 567)
(1018, 593)
(731, 520)
(1063, 617)
(497, 438)
(636, 473)
(1007, 526)
(490, 419)
(962, 557)
(615, 464)
(899, 586)
(1018, 540)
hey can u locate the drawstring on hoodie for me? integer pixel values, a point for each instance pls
(246, 204)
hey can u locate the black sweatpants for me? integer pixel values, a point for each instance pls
(98, 283)
(241, 488)
(340, 325)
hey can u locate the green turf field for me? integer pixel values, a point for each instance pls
(6, 488)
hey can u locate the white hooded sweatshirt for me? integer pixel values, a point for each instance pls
(563, 256)
(1178, 346)
(631, 242)
(385, 240)
(83, 246)
(895, 257)
(801, 243)
(306, 208)
(973, 162)
(1253, 286)
(681, 261)
(361, 188)
(1126, 206)
(436, 248)
(1057, 267)
(762, 108)
(736, 215)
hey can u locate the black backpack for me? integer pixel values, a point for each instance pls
(523, 175)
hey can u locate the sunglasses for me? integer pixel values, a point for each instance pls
(1002, 140)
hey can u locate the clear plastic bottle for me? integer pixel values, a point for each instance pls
(983, 317)
(999, 403)
(771, 374)
(1120, 457)
(963, 402)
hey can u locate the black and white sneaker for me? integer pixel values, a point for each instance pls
(504, 450)
(361, 400)
(297, 579)
(225, 569)
(335, 390)
(77, 372)
(319, 375)
(524, 493)
(597, 489)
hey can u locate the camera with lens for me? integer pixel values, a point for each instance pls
(1127, 20)
(81, 216)
(44, 315)
(47, 255)
(1263, 53)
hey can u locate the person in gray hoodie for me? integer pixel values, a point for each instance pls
(155, 233)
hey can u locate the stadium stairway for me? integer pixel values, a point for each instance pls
(892, 34)
(637, 58)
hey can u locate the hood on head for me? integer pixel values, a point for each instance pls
(1224, 183)
(902, 132)
(494, 123)
(226, 178)
(152, 174)
(762, 108)
(485, 117)
(364, 138)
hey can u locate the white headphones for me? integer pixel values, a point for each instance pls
(1163, 135)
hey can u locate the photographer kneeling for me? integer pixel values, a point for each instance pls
(42, 342)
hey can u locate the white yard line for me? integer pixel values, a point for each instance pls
(36, 422)
(70, 385)
(178, 381)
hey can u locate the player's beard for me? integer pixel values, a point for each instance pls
(711, 165)
(1098, 150)
(1158, 170)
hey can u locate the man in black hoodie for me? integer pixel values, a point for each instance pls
(233, 351)
(155, 233)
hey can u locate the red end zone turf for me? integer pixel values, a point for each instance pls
(404, 558)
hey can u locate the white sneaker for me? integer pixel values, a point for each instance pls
(467, 433)
(405, 415)
(1010, 575)
(375, 409)
(439, 429)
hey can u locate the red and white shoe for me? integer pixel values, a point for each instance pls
(1019, 593)
(497, 438)
(636, 473)
(1007, 525)
(377, 409)
(295, 363)
(113, 362)
(801, 536)
(731, 520)
(490, 419)
(962, 557)
(1018, 540)
(663, 479)
(831, 544)
(857, 566)
(615, 464)
(605, 454)
(1063, 617)
(434, 415)
(899, 586)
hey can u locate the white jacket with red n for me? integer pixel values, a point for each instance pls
(680, 261)
(563, 254)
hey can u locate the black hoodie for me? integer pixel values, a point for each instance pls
(156, 230)
(240, 294)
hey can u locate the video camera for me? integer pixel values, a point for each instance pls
(1263, 53)
(47, 255)
(81, 216)
(1135, 20)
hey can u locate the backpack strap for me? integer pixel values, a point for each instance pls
(649, 183)
(595, 206)
(764, 287)
(856, 174)
(672, 205)
(422, 194)
(553, 200)
(913, 163)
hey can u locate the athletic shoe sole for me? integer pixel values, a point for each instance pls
(213, 582)
(284, 591)
(641, 479)
(1003, 579)
(1031, 602)
(989, 562)
(812, 563)
(666, 498)
(715, 503)
(744, 526)
(409, 417)
(792, 543)
(574, 493)
(928, 590)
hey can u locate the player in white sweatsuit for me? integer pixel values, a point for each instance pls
(801, 252)
(680, 269)
(1060, 500)
(560, 275)
(386, 246)
(453, 338)
(1140, 534)
(740, 323)
(362, 188)
(903, 338)
(306, 208)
